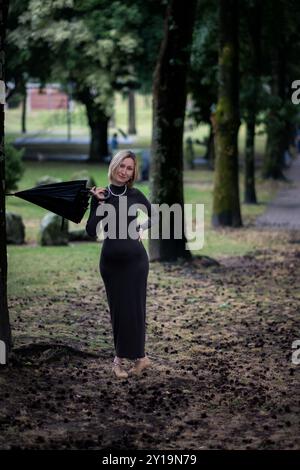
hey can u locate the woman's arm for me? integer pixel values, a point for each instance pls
(93, 220)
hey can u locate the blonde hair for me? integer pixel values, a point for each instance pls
(116, 161)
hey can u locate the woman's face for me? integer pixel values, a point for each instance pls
(124, 171)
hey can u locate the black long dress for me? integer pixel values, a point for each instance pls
(124, 267)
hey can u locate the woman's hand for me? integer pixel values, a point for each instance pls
(141, 231)
(98, 193)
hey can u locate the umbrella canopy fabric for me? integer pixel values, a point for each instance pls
(69, 199)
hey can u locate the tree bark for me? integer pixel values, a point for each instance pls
(112, 120)
(276, 137)
(226, 202)
(250, 193)
(24, 99)
(276, 124)
(5, 331)
(98, 121)
(131, 113)
(169, 102)
(210, 151)
(254, 17)
(99, 135)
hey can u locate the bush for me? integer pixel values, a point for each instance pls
(14, 101)
(14, 167)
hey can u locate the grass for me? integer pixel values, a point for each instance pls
(49, 268)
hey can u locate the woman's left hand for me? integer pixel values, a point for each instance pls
(141, 231)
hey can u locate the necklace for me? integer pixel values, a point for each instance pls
(118, 195)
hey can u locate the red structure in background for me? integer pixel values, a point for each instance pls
(48, 98)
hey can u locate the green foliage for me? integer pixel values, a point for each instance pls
(90, 43)
(97, 45)
(15, 101)
(202, 78)
(14, 167)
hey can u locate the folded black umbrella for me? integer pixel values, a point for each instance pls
(69, 199)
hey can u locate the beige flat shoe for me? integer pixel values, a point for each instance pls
(140, 365)
(119, 371)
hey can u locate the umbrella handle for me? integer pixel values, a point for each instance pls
(9, 194)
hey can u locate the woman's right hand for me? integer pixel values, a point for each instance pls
(98, 193)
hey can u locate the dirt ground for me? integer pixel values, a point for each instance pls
(220, 338)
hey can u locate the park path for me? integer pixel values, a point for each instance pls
(284, 211)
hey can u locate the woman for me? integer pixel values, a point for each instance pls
(124, 263)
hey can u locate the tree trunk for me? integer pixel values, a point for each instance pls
(210, 151)
(98, 122)
(290, 144)
(131, 113)
(5, 331)
(250, 193)
(254, 16)
(226, 202)
(24, 99)
(276, 124)
(169, 102)
(112, 120)
(99, 135)
(273, 160)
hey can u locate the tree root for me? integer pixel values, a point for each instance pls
(38, 353)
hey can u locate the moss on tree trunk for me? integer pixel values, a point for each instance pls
(226, 203)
